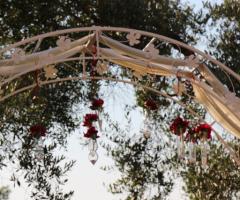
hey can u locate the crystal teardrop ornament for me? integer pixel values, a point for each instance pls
(192, 153)
(146, 134)
(204, 154)
(39, 148)
(146, 129)
(100, 124)
(93, 157)
(180, 147)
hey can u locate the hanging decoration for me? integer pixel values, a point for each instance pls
(102, 67)
(142, 58)
(133, 38)
(192, 139)
(50, 72)
(192, 136)
(150, 106)
(93, 119)
(204, 131)
(90, 122)
(97, 106)
(91, 134)
(179, 127)
(37, 134)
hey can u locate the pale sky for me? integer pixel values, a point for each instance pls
(85, 179)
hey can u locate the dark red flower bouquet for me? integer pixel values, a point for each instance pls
(179, 126)
(150, 104)
(91, 133)
(89, 119)
(204, 131)
(192, 136)
(38, 131)
(97, 104)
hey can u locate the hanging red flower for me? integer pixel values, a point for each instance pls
(87, 123)
(89, 119)
(38, 131)
(192, 136)
(204, 131)
(97, 104)
(150, 104)
(179, 126)
(91, 133)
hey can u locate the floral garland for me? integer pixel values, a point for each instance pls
(149, 106)
(192, 135)
(180, 126)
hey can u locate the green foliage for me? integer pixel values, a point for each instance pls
(224, 41)
(219, 181)
(42, 170)
(21, 112)
(4, 193)
(143, 165)
(21, 19)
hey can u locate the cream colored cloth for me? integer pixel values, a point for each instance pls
(213, 96)
(219, 110)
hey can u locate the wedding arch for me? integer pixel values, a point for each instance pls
(135, 50)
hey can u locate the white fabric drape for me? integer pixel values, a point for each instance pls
(213, 96)
(219, 110)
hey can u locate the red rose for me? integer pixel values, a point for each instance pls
(179, 126)
(91, 133)
(150, 104)
(97, 104)
(204, 130)
(37, 131)
(89, 118)
(87, 123)
(192, 136)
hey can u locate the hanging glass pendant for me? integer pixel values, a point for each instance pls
(192, 153)
(204, 154)
(93, 146)
(146, 129)
(93, 157)
(38, 146)
(180, 147)
(147, 134)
